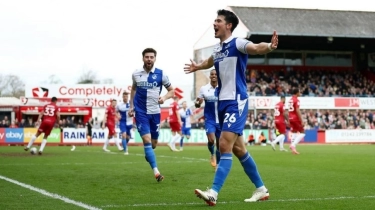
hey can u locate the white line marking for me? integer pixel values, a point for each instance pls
(109, 163)
(161, 156)
(52, 195)
(233, 202)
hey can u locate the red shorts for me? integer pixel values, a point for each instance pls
(296, 126)
(280, 127)
(46, 128)
(175, 126)
(111, 129)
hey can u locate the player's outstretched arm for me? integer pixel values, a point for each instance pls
(193, 67)
(263, 47)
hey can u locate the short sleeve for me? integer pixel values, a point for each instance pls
(241, 45)
(165, 81)
(201, 94)
(133, 79)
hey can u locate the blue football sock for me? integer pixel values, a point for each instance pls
(182, 142)
(217, 156)
(124, 144)
(251, 170)
(222, 171)
(150, 155)
(211, 147)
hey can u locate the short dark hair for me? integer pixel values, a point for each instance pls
(282, 97)
(229, 17)
(54, 99)
(149, 50)
(114, 100)
(295, 91)
(125, 93)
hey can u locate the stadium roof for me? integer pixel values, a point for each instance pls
(9, 101)
(307, 22)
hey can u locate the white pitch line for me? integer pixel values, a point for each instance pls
(163, 156)
(110, 163)
(233, 202)
(48, 194)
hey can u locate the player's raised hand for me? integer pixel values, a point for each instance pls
(161, 100)
(274, 40)
(190, 67)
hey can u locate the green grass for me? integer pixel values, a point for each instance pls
(322, 177)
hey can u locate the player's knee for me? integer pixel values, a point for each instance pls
(225, 146)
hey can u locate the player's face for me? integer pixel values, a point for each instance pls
(125, 98)
(114, 103)
(184, 105)
(149, 60)
(221, 27)
(213, 76)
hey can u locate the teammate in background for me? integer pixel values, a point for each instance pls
(295, 119)
(175, 124)
(281, 120)
(49, 115)
(186, 117)
(230, 59)
(212, 127)
(110, 120)
(126, 122)
(145, 103)
(89, 126)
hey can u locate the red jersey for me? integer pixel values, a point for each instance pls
(279, 112)
(293, 106)
(111, 115)
(49, 113)
(173, 112)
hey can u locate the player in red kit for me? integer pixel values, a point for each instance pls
(281, 120)
(175, 123)
(110, 121)
(295, 119)
(49, 115)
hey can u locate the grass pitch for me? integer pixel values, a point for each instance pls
(321, 177)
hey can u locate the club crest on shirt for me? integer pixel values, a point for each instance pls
(154, 76)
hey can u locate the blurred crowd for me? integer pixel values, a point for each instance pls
(275, 83)
(311, 83)
(318, 119)
(312, 119)
(31, 122)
